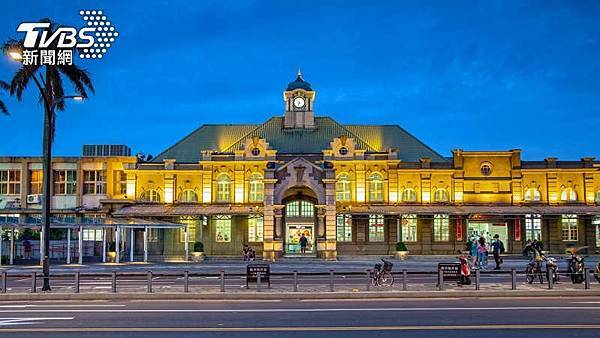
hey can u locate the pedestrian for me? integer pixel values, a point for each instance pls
(497, 249)
(481, 252)
(473, 251)
(303, 243)
(26, 249)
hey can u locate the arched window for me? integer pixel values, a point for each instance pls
(223, 188)
(151, 196)
(256, 192)
(187, 195)
(342, 188)
(409, 195)
(568, 195)
(533, 195)
(299, 208)
(440, 195)
(376, 188)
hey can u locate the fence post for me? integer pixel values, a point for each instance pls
(368, 279)
(77, 282)
(114, 281)
(33, 282)
(4, 281)
(586, 276)
(404, 279)
(477, 279)
(440, 280)
(513, 275)
(295, 280)
(222, 281)
(186, 280)
(550, 277)
(149, 281)
(331, 289)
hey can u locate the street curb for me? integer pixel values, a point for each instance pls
(295, 295)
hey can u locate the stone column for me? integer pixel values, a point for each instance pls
(321, 222)
(278, 213)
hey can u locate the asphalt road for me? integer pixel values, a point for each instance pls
(526, 317)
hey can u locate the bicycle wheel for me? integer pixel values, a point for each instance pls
(375, 280)
(529, 274)
(387, 278)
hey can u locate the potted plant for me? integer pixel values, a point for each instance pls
(112, 252)
(401, 251)
(198, 253)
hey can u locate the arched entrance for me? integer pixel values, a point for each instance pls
(299, 216)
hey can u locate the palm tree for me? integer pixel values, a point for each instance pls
(4, 87)
(48, 79)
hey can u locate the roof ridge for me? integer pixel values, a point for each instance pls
(228, 148)
(351, 133)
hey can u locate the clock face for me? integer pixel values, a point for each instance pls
(299, 102)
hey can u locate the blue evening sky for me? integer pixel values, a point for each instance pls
(476, 75)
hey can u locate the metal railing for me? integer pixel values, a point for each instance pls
(290, 281)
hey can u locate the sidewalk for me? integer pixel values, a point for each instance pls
(237, 265)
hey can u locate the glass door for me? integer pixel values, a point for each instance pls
(294, 233)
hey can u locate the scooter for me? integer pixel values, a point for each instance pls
(576, 268)
(552, 269)
(465, 270)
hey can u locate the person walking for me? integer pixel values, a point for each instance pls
(26, 249)
(303, 243)
(473, 251)
(481, 252)
(497, 249)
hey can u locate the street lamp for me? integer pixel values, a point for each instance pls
(50, 104)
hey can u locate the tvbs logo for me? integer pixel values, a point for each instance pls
(46, 46)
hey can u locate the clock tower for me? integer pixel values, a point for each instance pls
(299, 98)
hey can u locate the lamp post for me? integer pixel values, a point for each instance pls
(50, 104)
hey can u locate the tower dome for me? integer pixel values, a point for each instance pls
(299, 83)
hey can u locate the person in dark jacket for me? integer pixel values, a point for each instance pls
(303, 243)
(497, 249)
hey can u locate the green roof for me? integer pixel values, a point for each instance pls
(227, 138)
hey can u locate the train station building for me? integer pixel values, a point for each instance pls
(349, 189)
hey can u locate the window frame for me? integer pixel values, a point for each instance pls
(409, 225)
(375, 184)
(223, 193)
(568, 194)
(441, 228)
(569, 228)
(343, 188)
(36, 187)
(223, 222)
(256, 225)
(94, 182)
(256, 188)
(344, 228)
(532, 192)
(10, 182)
(376, 228)
(192, 228)
(533, 226)
(409, 192)
(151, 195)
(444, 193)
(65, 185)
(183, 196)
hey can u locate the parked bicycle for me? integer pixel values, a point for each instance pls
(382, 274)
(534, 269)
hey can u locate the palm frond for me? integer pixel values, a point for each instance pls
(3, 109)
(80, 78)
(4, 86)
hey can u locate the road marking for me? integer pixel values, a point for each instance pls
(378, 299)
(29, 320)
(584, 302)
(59, 305)
(276, 310)
(307, 328)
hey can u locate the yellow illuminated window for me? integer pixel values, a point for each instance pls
(568, 195)
(441, 228)
(223, 188)
(409, 195)
(256, 193)
(222, 229)
(376, 228)
(342, 188)
(569, 228)
(188, 195)
(533, 195)
(192, 226)
(598, 196)
(36, 181)
(409, 228)
(533, 227)
(255, 229)
(150, 195)
(440, 195)
(94, 182)
(120, 182)
(375, 188)
(344, 228)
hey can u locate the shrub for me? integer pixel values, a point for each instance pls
(400, 246)
(198, 247)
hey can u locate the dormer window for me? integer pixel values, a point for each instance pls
(255, 151)
(343, 151)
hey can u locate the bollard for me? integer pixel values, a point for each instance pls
(114, 281)
(513, 275)
(550, 277)
(222, 281)
(586, 278)
(33, 282)
(4, 281)
(295, 280)
(258, 278)
(186, 280)
(149, 281)
(331, 289)
(440, 280)
(77, 282)
(368, 279)
(477, 279)
(404, 280)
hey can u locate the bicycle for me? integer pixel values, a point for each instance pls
(534, 268)
(382, 274)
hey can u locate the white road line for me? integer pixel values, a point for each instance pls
(275, 310)
(23, 306)
(29, 320)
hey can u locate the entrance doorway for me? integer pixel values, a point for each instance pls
(488, 230)
(294, 232)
